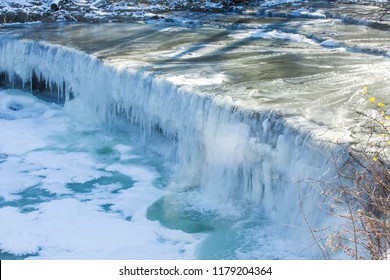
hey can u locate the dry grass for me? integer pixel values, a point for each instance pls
(362, 192)
(365, 206)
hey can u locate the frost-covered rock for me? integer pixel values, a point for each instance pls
(134, 10)
(104, 10)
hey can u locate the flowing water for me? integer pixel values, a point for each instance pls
(176, 141)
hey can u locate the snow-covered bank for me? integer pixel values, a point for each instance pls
(371, 13)
(105, 10)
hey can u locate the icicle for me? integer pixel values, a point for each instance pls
(233, 155)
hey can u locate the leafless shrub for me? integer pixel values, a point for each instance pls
(362, 192)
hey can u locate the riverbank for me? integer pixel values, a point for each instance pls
(371, 13)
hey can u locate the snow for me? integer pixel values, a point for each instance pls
(304, 12)
(163, 10)
(280, 2)
(211, 5)
(83, 231)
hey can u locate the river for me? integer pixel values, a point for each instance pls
(166, 141)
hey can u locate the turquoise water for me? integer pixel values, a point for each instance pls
(70, 162)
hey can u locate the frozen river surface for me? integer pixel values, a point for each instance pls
(177, 141)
